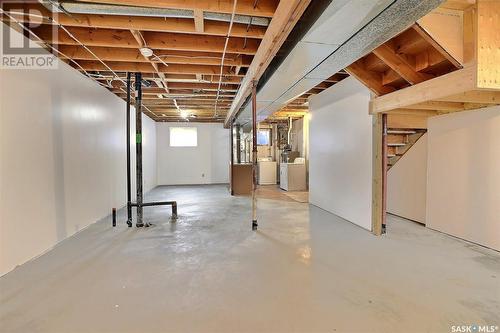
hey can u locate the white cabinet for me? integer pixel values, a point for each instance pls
(293, 177)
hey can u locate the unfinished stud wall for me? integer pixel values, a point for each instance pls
(407, 182)
(463, 185)
(340, 152)
(208, 163)
(63, 158)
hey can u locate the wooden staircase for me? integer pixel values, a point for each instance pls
(399, 141)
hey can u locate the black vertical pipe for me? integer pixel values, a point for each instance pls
(254, 156)
(138, 147)
(384, 172)
(114, 217)
(231, 165)
(129, 182)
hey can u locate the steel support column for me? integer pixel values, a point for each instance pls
(384, 172)
(254, 155)
(138, 148)
(129, 182)
(231, 145)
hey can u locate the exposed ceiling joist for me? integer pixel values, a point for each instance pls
(263, 8)
(147, 68)
(143, 23)
(154, 40)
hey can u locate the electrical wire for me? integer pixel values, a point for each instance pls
(223, 56)
(40, 40)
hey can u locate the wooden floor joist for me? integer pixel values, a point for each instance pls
(262, 8)
(143, 23)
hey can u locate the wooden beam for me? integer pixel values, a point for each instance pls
(482, 97)
(105, 75)
(428, 58)
(147, 68)
(372, 80)
(143, 23)
(284, 19)
(191, 86)
(453, 83)
(169, 57)
(389, 77)
(264, 8)
(407, 121)
(438, 105)
(154, 40)
(420, 112)
(395, 61)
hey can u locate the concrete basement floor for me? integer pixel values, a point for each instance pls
(305, 270)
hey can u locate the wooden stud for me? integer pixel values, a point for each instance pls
(379, 165)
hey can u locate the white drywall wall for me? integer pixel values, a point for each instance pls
(208, 163)
(340, 152)
(463, 184)
(62, 158)
(407, 183)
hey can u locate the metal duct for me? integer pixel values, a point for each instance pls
(289, 139)
(74, 7)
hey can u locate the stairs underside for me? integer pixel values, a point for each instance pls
(399, 141)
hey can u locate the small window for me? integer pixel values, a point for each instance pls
(183, 137)
(263, 137)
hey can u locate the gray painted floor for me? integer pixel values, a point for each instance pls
(305, 270)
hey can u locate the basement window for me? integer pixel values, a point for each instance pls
(183, 137)
(263, 137)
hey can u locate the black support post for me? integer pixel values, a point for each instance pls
(254, 156)
(129, 182)
(138, 148)
(384, 172)
(231, 165)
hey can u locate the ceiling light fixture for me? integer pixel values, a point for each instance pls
(146, 51)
